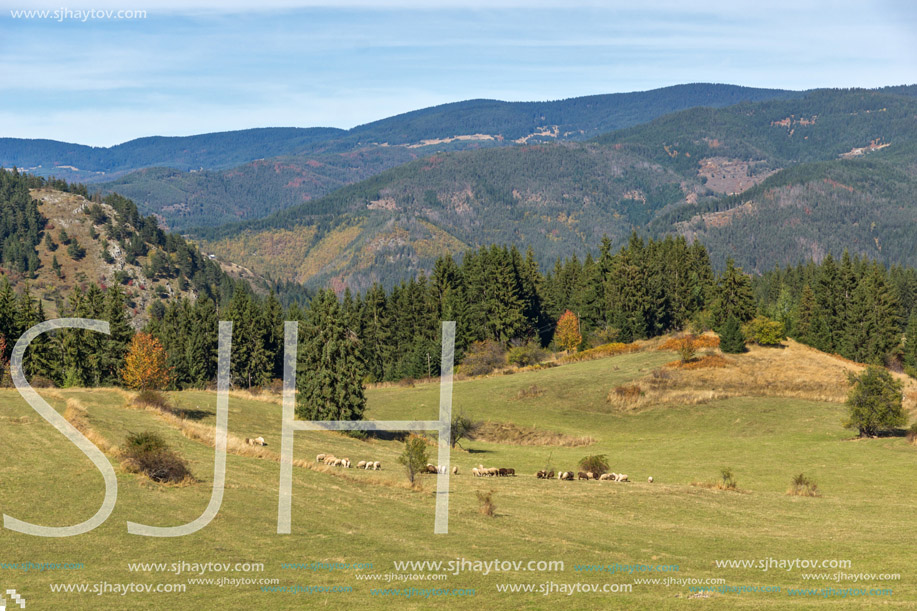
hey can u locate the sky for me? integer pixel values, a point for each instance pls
(198, 66)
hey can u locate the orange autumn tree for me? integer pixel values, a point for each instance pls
(567, 334)
(145, 364)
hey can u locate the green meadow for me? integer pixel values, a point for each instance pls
(863, 514)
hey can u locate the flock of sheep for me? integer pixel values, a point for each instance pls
(331, 460)
(605, 477)
(482, 471)
(479, 471)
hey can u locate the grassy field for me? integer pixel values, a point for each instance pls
(359, 517)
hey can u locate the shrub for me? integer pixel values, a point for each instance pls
(482, 358)
(874, 402)
(686, 348)
(414, 456)
(148, 453)
(727, 479)
(764, 331)
(153, 398)
(597, 464)
(802, 486)
(527, 355)
(486, 501)
(41, 382)
(606, 335)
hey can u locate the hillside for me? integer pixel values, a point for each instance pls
(816, 174)
(348, 516)
(70, 242)
(216, 178)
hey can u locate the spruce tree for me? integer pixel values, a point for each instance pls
(732, 340)
(329, 378)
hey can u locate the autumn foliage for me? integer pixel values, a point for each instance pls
(145, 364)
(567, 334)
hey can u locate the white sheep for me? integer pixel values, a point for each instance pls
(650, 479)
(377, 466)
(455, 470)
(319, 458)
(336, 463)
(475, 472)
(361, 464)
(346, 463)
(260, 441)
(622, 478)
(605, 477)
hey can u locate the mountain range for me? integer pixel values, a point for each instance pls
(765, 177)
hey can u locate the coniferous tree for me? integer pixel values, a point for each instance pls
(734, 296)
(329, 372)
(732, 341)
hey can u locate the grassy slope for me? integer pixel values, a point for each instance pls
(370, 517)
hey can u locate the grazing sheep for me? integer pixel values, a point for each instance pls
(511, 472)
(550, 475)
(541, 474)
(650, 479)
(590, 475)
(361, 464)
(493, 471)
(377, 466)
(319, 458)
(455, 470)
(502, 472)
(338, 462)
(622, 478)
(475, 472)
(581, 475)
(566, 475)
(346, 463)
(260, 441)
(605, 477)
(431, 469)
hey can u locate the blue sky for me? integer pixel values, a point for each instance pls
(201, 66)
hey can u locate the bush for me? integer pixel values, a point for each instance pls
(728, 480)
(597, 464)
(524, 356)
(874, 402)
(414, 456)
(482, 358)
(802, 486)
(153, 398)
(764, 331)
(732, 340)
(148, 453)
(486, 501)
(687, 348)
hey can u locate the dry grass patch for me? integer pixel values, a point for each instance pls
(600, 352)
(511, 434)
(529, 393)
(792, 371)
(708, 360)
